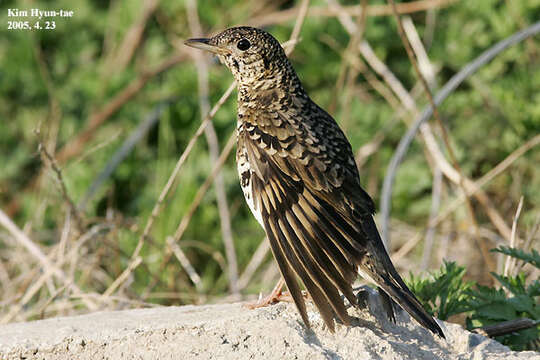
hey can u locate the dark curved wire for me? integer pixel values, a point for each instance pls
(446, 90)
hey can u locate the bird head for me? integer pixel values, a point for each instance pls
(252, 55)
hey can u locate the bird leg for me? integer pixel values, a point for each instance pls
(275, 296)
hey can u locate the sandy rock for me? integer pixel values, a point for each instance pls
(230, 331)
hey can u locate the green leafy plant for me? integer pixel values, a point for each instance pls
(532, 257)
(513, 300)
(445, 294)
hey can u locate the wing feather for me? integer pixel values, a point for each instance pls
(294, 241)
(331, 270)
(317, 217)
(313, 270)
(316, 294)
(330, 248)
(285, 267)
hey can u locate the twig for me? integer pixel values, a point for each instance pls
(382, 89)
(7, 285)
(435, 205)
(409, 104)
(446, 138)
(506, 327)
(295, 34)
(120, 58)
(64, 237)
(510, 261)
(380, 68)
(368, 149)
(424, 64)
(353, 71)
(31, 291)
(531, 236)
(166, 189)
(32, 248)
(453, 175)
(119, 280)
(350, 61)
(172, 178)
(186, 264)
(270, 274)
(92, 149)
(447, 89)
(389, 77)
(302, 12)
(63, 189)
(406, 248)
(353, 10)
(429, 31)
(57, 293)
(55, 110)
(74, 146)
(204, 187)
(213, 146)
(50, 270)
(216, 255)
(256, 260)
(182, 160)
(489, 176)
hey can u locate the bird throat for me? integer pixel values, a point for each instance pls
(268, 90)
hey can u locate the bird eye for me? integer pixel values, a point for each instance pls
(243, 44)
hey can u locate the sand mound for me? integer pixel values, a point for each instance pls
(230, 331)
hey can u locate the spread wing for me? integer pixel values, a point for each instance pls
(307, 189)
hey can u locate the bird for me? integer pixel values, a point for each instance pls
(299, 178)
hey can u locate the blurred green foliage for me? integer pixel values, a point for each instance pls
(54, 80)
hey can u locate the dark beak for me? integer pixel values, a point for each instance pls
(204, 44)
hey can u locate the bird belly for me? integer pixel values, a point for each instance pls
(246, 174)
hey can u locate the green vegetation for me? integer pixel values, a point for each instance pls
(446, 294)
(82, 89)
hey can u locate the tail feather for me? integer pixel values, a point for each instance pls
(408, 301)
(379, 268)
